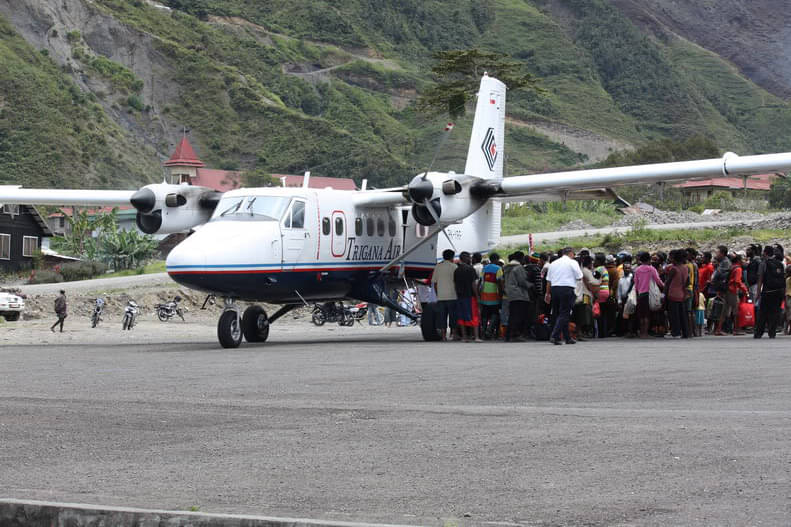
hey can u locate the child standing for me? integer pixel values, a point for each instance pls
(700, 310)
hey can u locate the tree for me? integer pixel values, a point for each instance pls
(457, 75)
(780, 194)
(79, 241)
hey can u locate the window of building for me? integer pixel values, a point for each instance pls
(339, 226)
(391, 226)
(380, 226)
(325, 226)
(11, 209)
(369, 226)
(62, 221)
(5, 246)
(358, 226)
(29, 245)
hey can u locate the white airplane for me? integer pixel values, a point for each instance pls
(290, 245)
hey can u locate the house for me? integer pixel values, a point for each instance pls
(751, 187)
(125, 219)
(22, 233)
(185, 167)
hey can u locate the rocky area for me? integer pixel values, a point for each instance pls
(665, 217)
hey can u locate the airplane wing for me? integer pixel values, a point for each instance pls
(16, 195)
(586, 184)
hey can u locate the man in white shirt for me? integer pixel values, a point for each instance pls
(442, 280)
(562, 278)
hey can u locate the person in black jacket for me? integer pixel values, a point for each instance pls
(771, 290)
(536, 282)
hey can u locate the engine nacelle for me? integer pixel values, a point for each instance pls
(163, 208)
(447, 193)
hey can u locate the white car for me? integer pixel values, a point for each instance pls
(11, 306)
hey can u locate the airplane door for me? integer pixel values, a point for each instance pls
(338, 244)
(295, 236)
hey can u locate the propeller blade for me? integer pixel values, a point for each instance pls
(433, 213)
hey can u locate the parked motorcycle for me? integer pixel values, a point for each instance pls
(358, 311)
(98, 308)
(332, 312)
(169, 310)
(130, 315)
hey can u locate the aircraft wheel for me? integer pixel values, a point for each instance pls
(255, 324)
(229, 331)
(428, 323)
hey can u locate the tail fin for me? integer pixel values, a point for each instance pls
(485, 159)
(486, 154)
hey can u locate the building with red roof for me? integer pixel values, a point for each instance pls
(755, 187)
(185, 167)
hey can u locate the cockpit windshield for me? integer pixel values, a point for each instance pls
(261, 207)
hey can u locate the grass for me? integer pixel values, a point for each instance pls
(157, 266)
(548, 217)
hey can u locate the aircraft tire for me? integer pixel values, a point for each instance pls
(255, 324)
(428, 324)
(228, 331)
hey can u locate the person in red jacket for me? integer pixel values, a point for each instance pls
(735, 286)
(705, 270)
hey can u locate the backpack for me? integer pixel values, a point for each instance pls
(774, 277)
(719, 281)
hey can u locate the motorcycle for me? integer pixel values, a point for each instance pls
(130, 315)
(332, 312)
(169, 310)
(358, 311)
(98, 308)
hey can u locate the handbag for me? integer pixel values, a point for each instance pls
(656, 299)
(596, 309)
(630, 306)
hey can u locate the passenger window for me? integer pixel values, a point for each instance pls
(380, 226)
(325, 226)
(338, 226)
(358, 226)
(369, 226)
(298, 215)
(391, 226)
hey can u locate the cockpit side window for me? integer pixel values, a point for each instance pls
(325, 226)
(298, 215)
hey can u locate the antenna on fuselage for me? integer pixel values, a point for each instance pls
(364, 184)
(306, 180)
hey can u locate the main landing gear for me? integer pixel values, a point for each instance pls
(253, 325)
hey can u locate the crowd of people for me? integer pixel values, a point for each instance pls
(570, 295)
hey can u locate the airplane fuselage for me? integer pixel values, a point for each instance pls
(282, 245)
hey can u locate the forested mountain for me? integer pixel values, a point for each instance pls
(96, 92)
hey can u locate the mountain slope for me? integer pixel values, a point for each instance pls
(287, 86)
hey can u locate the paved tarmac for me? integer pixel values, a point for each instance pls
(372, 424)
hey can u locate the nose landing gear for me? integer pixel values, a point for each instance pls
(253, 325)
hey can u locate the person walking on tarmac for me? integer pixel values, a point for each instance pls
(771, 290)
(60, 311)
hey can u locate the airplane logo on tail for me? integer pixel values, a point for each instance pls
(489, 148)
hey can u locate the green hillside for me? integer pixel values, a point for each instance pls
(288, 86)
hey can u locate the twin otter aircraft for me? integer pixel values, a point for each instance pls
(288, 245)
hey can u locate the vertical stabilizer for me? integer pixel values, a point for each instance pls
(486, 153)
(485, 157)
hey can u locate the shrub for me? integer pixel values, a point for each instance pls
(45, 277)
(81, 270)
(134, 102)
